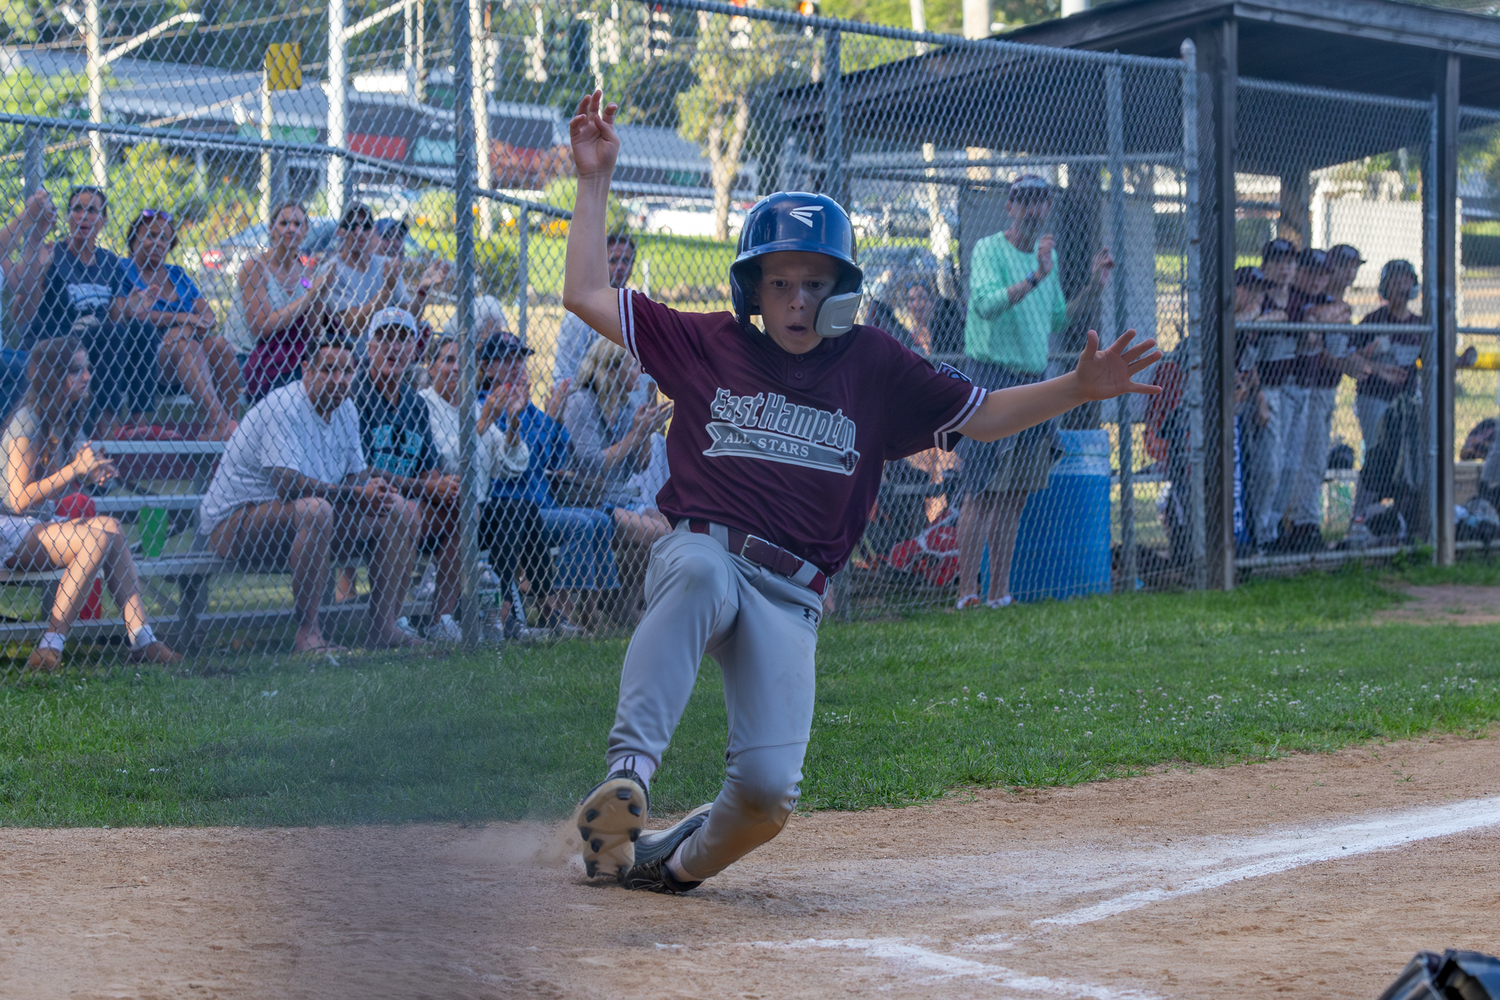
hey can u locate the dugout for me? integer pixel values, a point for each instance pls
(1286, 88)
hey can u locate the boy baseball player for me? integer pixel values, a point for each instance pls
(777, 445)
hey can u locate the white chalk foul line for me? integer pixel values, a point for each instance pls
(1277, 853)
(902, 952)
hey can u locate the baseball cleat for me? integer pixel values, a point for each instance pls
(654, 849)
(609, 819)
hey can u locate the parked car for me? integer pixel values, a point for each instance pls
(688, 217)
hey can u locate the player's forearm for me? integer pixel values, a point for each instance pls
(1009, 411)
(586, 291)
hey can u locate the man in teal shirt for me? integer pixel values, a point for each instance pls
(1016, 304)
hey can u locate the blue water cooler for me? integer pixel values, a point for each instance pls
(1063, 549)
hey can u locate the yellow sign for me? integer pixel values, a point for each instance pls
(284, 66)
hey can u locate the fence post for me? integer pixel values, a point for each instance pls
(833, 117)
(523, 274)
(1446, 281)
(1115, 139)
(1193, 287)
(463, 259)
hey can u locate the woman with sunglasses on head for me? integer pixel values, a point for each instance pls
(46, 456)
(166, 328)
(68, 287)
(283, 296)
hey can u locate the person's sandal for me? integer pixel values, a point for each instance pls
(44, 661)
(156, 652)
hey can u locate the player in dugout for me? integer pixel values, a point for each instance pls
(776, 450)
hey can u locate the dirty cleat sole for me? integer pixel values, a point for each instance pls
(609, 819)
(655, 849)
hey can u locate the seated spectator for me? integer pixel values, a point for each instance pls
(391, 244)
(67, 288)
(583, 563)
(165, 327)
(47, 457)
(489, 319)
(575, 337)
(31, 227)
(510, 528)
(293, 489)
(282, 295)
(937, 324)
(363, 281)
(612, 442)
(395, 430)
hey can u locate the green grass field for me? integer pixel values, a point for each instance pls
(907, 710)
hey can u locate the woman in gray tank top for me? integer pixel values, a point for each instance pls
(47, 457)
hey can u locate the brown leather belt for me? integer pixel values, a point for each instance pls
(764, 554)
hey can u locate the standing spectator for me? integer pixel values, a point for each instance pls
(293, 489)
(583, 563)
(1282, 401)
(1384, 368)
(282, 295)
(574, 337)
(165, 326)
(1320, 374)
(1016, 304)
(47, 456)
(67, 288)
(611, 443)
(31, 227)
(510, 528)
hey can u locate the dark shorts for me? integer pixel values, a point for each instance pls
(1019, 463)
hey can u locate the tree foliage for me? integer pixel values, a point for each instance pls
(734, 57)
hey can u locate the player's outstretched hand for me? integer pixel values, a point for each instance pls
(596, 145)
(1106, 374)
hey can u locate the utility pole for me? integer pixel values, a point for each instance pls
(94, 62)
(977, 18)
(338, 110)
(480, 101)
(94, 71)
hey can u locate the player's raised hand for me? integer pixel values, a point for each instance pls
(596, 145)
(1106, 374)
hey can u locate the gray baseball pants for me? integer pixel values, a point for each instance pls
(762, 629)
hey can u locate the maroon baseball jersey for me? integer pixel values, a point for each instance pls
(785, 446)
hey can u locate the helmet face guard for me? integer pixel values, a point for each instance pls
(799, 221)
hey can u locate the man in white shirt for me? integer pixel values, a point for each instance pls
(293, 489)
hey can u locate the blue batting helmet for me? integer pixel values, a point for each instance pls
(794, 220)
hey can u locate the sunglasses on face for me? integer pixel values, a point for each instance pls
(365, 226)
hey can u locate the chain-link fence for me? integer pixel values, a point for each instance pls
(1476, 478)
(1335, 426)
(266, 279)
(264, 454)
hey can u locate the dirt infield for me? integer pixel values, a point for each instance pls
(1448, 604)
(1251, 882)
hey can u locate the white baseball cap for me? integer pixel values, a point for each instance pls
(393, 316)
